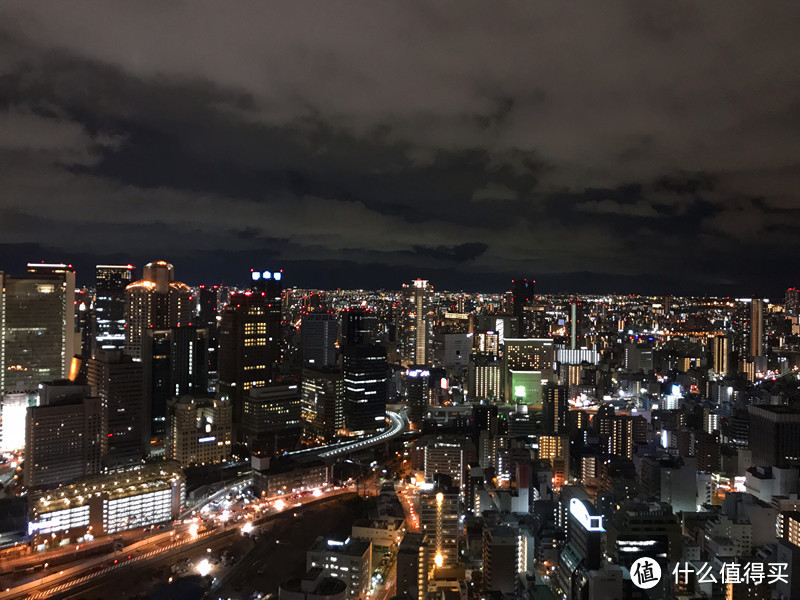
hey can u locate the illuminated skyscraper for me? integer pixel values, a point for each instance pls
(414, 324)
(37, 326)
(720, 352)
(156, 301)
(439, 520)
(756, 327)
(109, 305)
(555, 409)
(485, 381)
(250, 339)
(421, 325)
(528, 366)
(417, 377)
(365, 376)
(119, 382)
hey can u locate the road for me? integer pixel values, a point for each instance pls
(166, 546)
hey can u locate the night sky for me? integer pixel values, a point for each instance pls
(594, 146)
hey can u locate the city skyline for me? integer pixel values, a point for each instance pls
(619, 148)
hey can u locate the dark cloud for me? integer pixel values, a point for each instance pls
(591, 146)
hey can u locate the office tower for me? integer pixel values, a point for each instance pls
(439, 520)
(175, 363)
(720, 353)
(323, 401)
(65, 436)
(574, 323)
(250, 341)
(775, 436)
(37, 326)
(413, 566)
(523, 295)
(792, 306)
(364, 371)
(155, 301)
(501, 558)
(198, 430)
(484, 377)
(359, 327)
(350, 560)
(207, 306)
(644, 529)
(207, 311)
(756, 327)
(584, 550)
(119, 382)
(528, 365)
(638, 358)
(319, 332)
(417, 384)
(271, 417)
(109, 305)
(555, 409)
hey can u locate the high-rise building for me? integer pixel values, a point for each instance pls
(37, 326)
(484, 377)
(119, 382)
(523, 294)
(720, 353)
(446, 455)
(555, 448)
(250, 340)
(792, 305)
(501, 558)
(109, 305)
(155, 301)
(622, 436)
(207, 312)
(417, 385)
(364, 371)
(319, 332)
(528, 366)
(756, 327)
(555, 409)
(439, 520)
(359, 327)
(414, 324)
(584, 550)
(575, 309)
(65, 436)
(175, 363)
(323, 401)
(421, 292)
(638, 358)
(198, 430)
(271, 417)
(775, 436)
